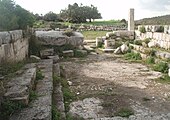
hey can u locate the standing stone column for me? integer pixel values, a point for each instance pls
(131, 23)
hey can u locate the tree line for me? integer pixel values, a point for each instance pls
(13, 16)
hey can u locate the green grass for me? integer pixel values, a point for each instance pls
(109, 22)
(91, 35)
(164, 79)
(124, 112)
(132, 56)
(55, 114)
(68, 95)
(9, 107)
(161, 67)
(150, 60)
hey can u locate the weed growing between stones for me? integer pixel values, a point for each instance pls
(39, 75)
(124, 112)
(68, 95)
(55, 114)
(33, 95)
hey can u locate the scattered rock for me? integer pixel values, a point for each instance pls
(35, 57)
(70, 83)
(124, 48)
(117, 51)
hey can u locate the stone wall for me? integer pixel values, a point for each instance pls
(13, 46)
(162, 39)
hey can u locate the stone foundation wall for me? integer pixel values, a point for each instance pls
(13, 46)
(162, 39)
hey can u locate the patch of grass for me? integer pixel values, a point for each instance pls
(150, 60)
(138, 42)
(91, 35)
(39, 75)
(9, 107)
(147, 40)
(9, 68)
(108, 22)
(161, 67)
(79, 54)
(55, 114)
(124, 112)
(164, 79)
(132, 56)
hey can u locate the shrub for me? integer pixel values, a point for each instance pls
(100, 45)
(142, 29)
(138, 42)
(160, 29)
(147, 40)
(68, 33)
(161, 67)
(150, 60)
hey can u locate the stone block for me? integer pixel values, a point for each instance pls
(16, 35)
(46, 53)
(68, 53)
(54, 58)
(18, 89)
(5, 37)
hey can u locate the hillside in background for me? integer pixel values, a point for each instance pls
(159, 20)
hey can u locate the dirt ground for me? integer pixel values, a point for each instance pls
(105, 84)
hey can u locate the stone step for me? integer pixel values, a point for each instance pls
(18, 88)
(40, 109)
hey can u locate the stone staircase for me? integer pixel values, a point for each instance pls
(20, 87)
(40, 108)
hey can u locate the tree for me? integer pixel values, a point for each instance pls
(50, 17)
(13, 16)
(8, 20)
(78, 14)
(24, 17)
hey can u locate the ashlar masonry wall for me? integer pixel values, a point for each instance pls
(160, 38)
(13, 46)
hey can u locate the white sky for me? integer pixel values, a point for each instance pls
(109, 9)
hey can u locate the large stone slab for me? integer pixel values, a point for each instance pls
(58, 38)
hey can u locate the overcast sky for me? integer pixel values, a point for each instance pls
(109, 9)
